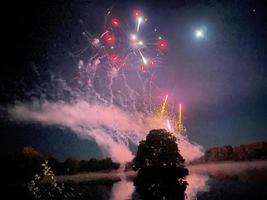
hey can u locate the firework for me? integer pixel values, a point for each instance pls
(169, 127)
(170, 118)
(135, 50)
(110, 100)
(163, 110)
(112, 79)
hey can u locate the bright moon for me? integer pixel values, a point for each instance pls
(199, 33)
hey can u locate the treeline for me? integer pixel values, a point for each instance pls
(244, 152)
(23, 166)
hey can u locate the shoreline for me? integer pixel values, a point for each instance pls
(218, 169)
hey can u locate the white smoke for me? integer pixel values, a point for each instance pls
(189, 150)
(110, 127)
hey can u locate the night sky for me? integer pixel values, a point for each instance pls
(221, 79)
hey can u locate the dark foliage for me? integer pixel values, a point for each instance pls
(159, 149)
(16, 171)
(161, 183)
(244, 152)
(161, 171)
(23, 166)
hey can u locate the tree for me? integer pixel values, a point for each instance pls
(46, 187)
(159, 149)
(30, 152)
(161, 171)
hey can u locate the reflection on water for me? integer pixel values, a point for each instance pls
(196, 183)
(246, 180)
(122, 190)
(165, 189)
(156, 184)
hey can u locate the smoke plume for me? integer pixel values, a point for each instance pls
(109, 126)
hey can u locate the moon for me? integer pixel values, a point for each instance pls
(200, 33)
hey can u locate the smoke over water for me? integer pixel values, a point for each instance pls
(109, 126)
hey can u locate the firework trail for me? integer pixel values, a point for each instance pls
(111, 99)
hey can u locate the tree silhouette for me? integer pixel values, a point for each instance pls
(158, 150)
(161, 170)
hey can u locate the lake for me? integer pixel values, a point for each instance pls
(228, 180)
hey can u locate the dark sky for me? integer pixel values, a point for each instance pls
(221, 80)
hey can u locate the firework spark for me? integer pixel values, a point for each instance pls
(163, 107)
